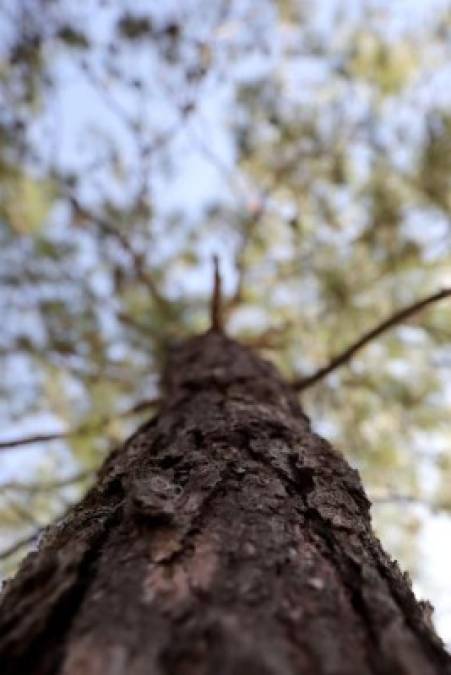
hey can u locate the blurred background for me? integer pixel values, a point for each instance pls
(308, 144)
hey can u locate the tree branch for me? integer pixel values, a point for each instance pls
(83, 428)
(45, 486)
(21, 543)
(216, 319)
(395, 498)
(138, 261)
(345, 356)
(249, 230)
(30, 538)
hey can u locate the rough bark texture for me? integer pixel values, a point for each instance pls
(224, 538)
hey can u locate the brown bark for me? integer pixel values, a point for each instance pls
(224, 538)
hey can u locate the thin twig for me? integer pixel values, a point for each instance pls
(83, 428)
(38, 438)
(30, 538)
(45, 486)
(240, 264)
(21, 543)
(396, 498)
(346, 355)
(138, 260)
(253, 222)
(216, 298)
(22, 512)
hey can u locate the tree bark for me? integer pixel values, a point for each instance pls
(223, 538)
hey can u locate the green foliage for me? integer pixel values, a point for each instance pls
(73, 37)
(435, 166)
(388, 67)
(25, 202)
(133, 27)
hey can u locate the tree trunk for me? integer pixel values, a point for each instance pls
(224, 538)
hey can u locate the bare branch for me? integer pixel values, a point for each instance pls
(345, 356)
(38, 438)
(255, 217)
(22, 512)
(45, 486)
(142, 274)
(216, 298)
(396, 498)
(272, 338)
(21, 543)
(139, 407)
(83, 428)
(240, 264)
(32, 537)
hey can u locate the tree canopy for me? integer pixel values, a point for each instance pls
(305, 144)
